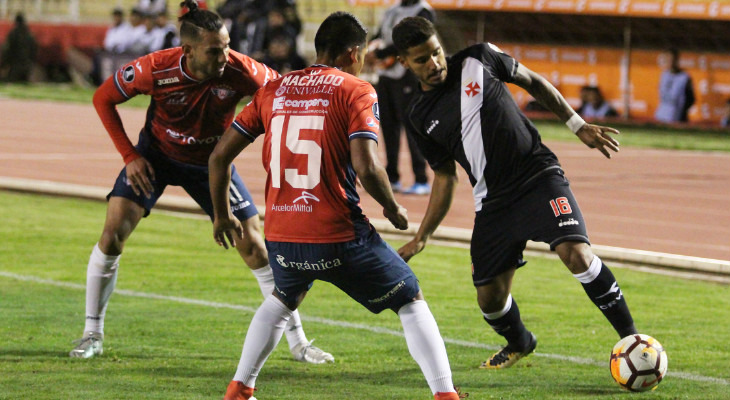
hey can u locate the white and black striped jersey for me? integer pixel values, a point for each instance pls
(473, 119)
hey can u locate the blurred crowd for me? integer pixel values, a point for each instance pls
(266, 30)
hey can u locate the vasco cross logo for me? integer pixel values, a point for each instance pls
(128, 74)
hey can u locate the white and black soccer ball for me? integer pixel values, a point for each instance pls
(638, 363)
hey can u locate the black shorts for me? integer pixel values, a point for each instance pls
(547, 212)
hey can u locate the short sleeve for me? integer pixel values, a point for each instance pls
(364, 114)
(135, 77)
(503, 65)
(248, 122)
(259, 74)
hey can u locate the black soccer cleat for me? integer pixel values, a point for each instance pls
(508, 356)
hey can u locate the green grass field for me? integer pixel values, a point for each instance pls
(631, 135)
(176, 323)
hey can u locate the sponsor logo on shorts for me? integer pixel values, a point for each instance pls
(568, 222)
(320, 265)
(240, 206)
(390, 293)
(128, 74)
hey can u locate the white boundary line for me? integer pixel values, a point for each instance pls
(343, 324)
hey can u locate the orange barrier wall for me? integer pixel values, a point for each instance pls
(54, 39)
(569, 68)
(692, 9)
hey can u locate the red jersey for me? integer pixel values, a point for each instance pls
(309, 118)
(186, 117)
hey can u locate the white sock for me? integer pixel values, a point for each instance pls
(426, 345)
(294, 332)
(592, 273)
(262, 337)
(101, 277)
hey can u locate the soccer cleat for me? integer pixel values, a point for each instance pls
(457, 395)
(396, 187)
(419, 189)
(305, 352)
(238, 391)
(507, 357)
(88, 346)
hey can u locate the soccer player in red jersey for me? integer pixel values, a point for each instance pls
(320, 129)
(194, 89)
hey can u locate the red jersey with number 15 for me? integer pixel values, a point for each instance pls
(187, 117)
(309, 118)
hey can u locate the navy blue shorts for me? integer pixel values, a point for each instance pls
(367, 269)
(192, 178)
(548, 212)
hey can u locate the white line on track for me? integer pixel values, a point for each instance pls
(343, 324)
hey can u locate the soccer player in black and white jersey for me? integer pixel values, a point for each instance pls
(520, 191)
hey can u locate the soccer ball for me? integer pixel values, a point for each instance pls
(638, 363)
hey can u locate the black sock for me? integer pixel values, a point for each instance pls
(607, 296)
(511, 327)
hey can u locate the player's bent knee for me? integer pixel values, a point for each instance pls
(575, 255)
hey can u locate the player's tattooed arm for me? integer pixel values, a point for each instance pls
(593, 136)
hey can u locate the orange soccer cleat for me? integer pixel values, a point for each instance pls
(238, 391)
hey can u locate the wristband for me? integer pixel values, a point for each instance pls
(575, 123)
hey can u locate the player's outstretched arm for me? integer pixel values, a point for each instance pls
(442, 194)
(594, 136)
(226, 227)
(365, 162)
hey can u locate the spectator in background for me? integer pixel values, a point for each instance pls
(281, 55)
(676, 94)
(152, 7)
(19, 51)
(115, 40)
(395, 88)
(725, 121)
(594, 105)
(144, 38)
(278, 25)
(164, 34)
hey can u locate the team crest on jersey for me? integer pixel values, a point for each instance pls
(128, 74)
(376, 111)
(223, 92)
(472, 89)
